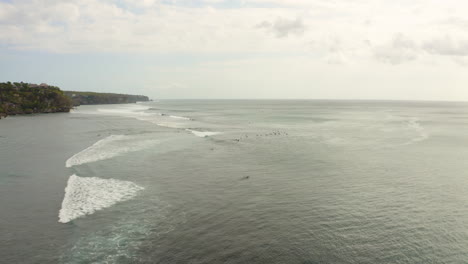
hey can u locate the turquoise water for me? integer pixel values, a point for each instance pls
(237, 182)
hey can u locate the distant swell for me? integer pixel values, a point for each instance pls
(86, 195)
(109, 147)
(421, 133)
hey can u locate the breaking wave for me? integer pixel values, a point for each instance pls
(86, 195)
(203, 133)
(138, 112)
(169, 124)
(180, 117)
(147, 114)
(109, 147)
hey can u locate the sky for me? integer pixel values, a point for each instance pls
(240, 49)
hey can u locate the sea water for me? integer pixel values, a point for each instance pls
(236, 181)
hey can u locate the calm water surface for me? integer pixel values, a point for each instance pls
(237, 182)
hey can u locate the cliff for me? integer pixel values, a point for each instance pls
(24, 98)
(89, 98)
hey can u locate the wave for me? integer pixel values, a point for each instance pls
(180, 117)
(86, 195)
(203, 133)
(421, 133)
(170, 124)
(148, 114)
(135, 111)
(138, 112)
(389, 132)
(109, 147)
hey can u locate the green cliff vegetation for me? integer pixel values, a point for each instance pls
(87, 98)
(24, 98)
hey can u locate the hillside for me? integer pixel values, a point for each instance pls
(89, 98)
(24, 98)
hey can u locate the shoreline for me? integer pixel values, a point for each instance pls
(5, 115)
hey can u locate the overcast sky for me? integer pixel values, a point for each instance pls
(347, 49)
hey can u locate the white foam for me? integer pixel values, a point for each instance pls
(131, 110)
(134, 111)
(138, 112)
(179, 117)
(203, 133)
(86, 195)
(143, 113)
(169, 124)
(109, 147)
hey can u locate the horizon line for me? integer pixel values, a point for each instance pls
(311, 99)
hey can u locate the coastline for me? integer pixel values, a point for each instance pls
(27, 98)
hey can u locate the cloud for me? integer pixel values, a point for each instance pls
(446, 46)
(342, 31)
(130, 26)
(398, 50)
(403, 49)
(283, 27)
(335, 51)
(174, 86)
(242, 48)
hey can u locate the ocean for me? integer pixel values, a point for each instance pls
(237, 181)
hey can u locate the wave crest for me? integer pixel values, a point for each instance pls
(203, 133)
(109, 147)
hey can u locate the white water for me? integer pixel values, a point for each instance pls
(203, 133)
(109, 147)
(180, 117)
(170, 124)
(86, 195)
